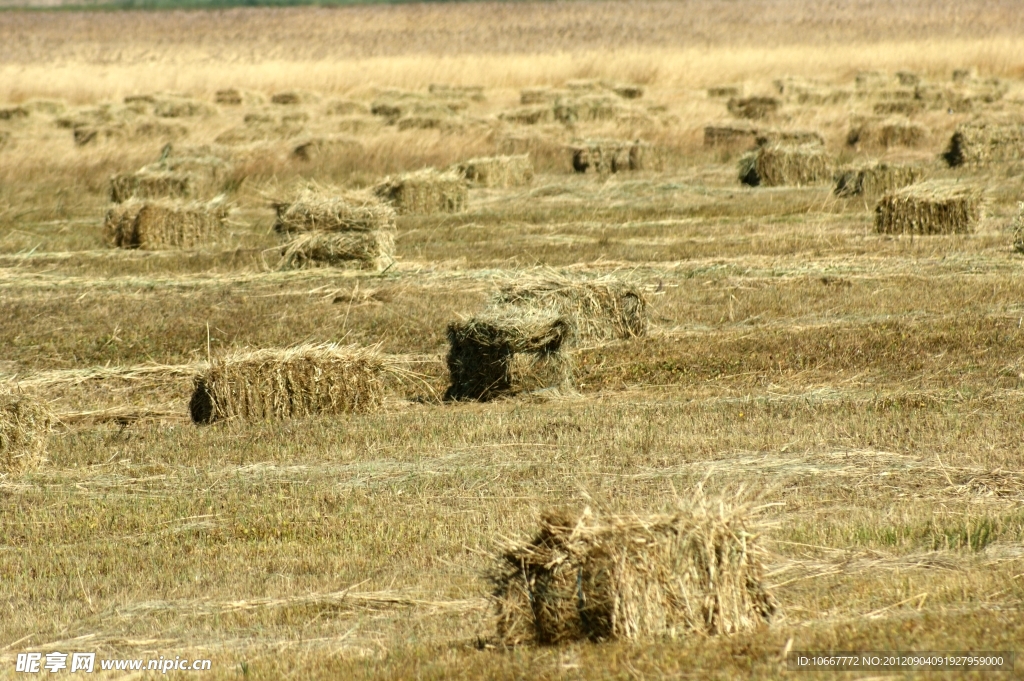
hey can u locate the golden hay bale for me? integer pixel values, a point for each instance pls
(293, 97)
(729, 136)
(346, 107)
(600, 308)
(357, 124)
(180, 107)
(293, 383)
(508, 352)
(822, 96)
(164, 223)
(754, 107)
(474, 92)
(529, 115)
(585, 109)
(1017, 228)
(628, 91)
(903, 107)
(326, 147)
(902, 134)
(723, 91)
(784, 165)
(875, 180)
(318, 209)
(236, 97)
(985, 141)
(497, 171)
(151, 184)
(425, 191)
(369, 250)
(789, 137)
(936, 207)
(604, 156)
(698, 570)
(24, 426)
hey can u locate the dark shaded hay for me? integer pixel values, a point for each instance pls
(754, 107)
(785, 165)
(936, 207)
(875, 180)
(724, 91)
(164, 223)
(24, 428)
(506, 353)
(978, 143)
(729, 136)
(609, 156)
(14, 113)
(346, 107)
(698, 571)
(497, 171)
(627, 91)
(426, 191)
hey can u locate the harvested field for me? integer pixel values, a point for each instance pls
(936, 207)
(424, 192)
(786, 165)
(164, 223)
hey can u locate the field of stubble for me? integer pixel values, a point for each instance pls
(871, 387)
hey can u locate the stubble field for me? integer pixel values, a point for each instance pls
(866, 388)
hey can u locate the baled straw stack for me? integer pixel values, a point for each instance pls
(528, 115)
(785, 165)
(1017, 228)
(754, 107)
(608, 156)
(729, 136)
(875, 180)
(497, 171)
(151, 184)
(936, 207)
(981, 142)
(698, 570)
(370, 250)
(293, 383)
(425, 191)
(587, 108)
(601, 308)
(508, 352)
(902, 134)
(722, 91)
(318, 209)
(905, 107)
(164, 223)
(24, 425)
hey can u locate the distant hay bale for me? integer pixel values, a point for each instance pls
(908, 78)
(357, 124)
(627, 91)
(369, 250)
(175, 107)
(822, 96)
(326, 147)
(426, 191)
(981, 142)
(14, 113)
(754, 107)
(293, 383)
(24, 426)
(586, 109)
(294, 97)
(159, 130)
(540, 95)
(602, 308)
(425, 121)
(906, 107)
(902, 134)
(964, 75)
(164, 224)
(725, 91)
(784, 165)
(936, 207)
(229, 97)
(319, 210)
(608, 156)
(85, 135)
(696, 571)
(346, 107)
(508, 352)
(473, 92)
(530, 115)
(151, 184)
(729, 136)
(789, 137)
(497, 171)
(1017, 228)
(875, 180)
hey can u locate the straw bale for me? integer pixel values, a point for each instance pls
(902, 134)
(346, 107)
(84, 135)
(497, 171)
(822, 96)
(369, 250)
(586, 108)
(14, 113)
(164, 224)
(544, 147)
(875, 180)
(754, 107)
(293, 383)
(151, 184)
(236, 97)
(175, 107)
(326, 147)
(698, 570)
(981, 142)
(206, 166)
(160, 130)
(24, 427)
(293, 97)
(425, 191)
(785, 165)
(1017, 228)
(908, 78)
(604, 156)
(323, 210)
(731, 136)
(528, 115)
(602, 308)
(627, 91)
(789, 137)
(538, 95)
(441, 90)
(935, 207)
(508, 352)
(903, 107)
(725, 91)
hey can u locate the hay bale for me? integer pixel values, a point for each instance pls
(729, 136)
(14, 113)
(84, 135)
(604, 156)
(698, 570)
(321, 210)
(902, 107)
(964, 75)
(785, 165)
(293, 383)
(426, 191)
(229, 97)
(936, 207)
(346, 107)
(627, 91)
(24, 426)
(158, 130)
(875, 180)
(586, 109)
(724, 91)
(369, 250)
(754, 107)
(902, 134)
(326, 147)
(151, 184)
(180, 107)
(164, 224)
(443, 91)
(789, 137)
(508, 352)
(294, 97)
(530, 115)
(981, 142)
(424, 121)
(602, 308)
(908, 78)
(357, 124)
(1017, 229)
(497, 171)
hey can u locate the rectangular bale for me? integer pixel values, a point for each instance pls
(608, 156)
(365, 249)
(152, 184)
(936, 207)
(324, 210)
(497, 171)
(158, 224)
(424, 192)
(729, 136)
(876, 179)
(978, 143)
(786, 165)
(754, 107)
